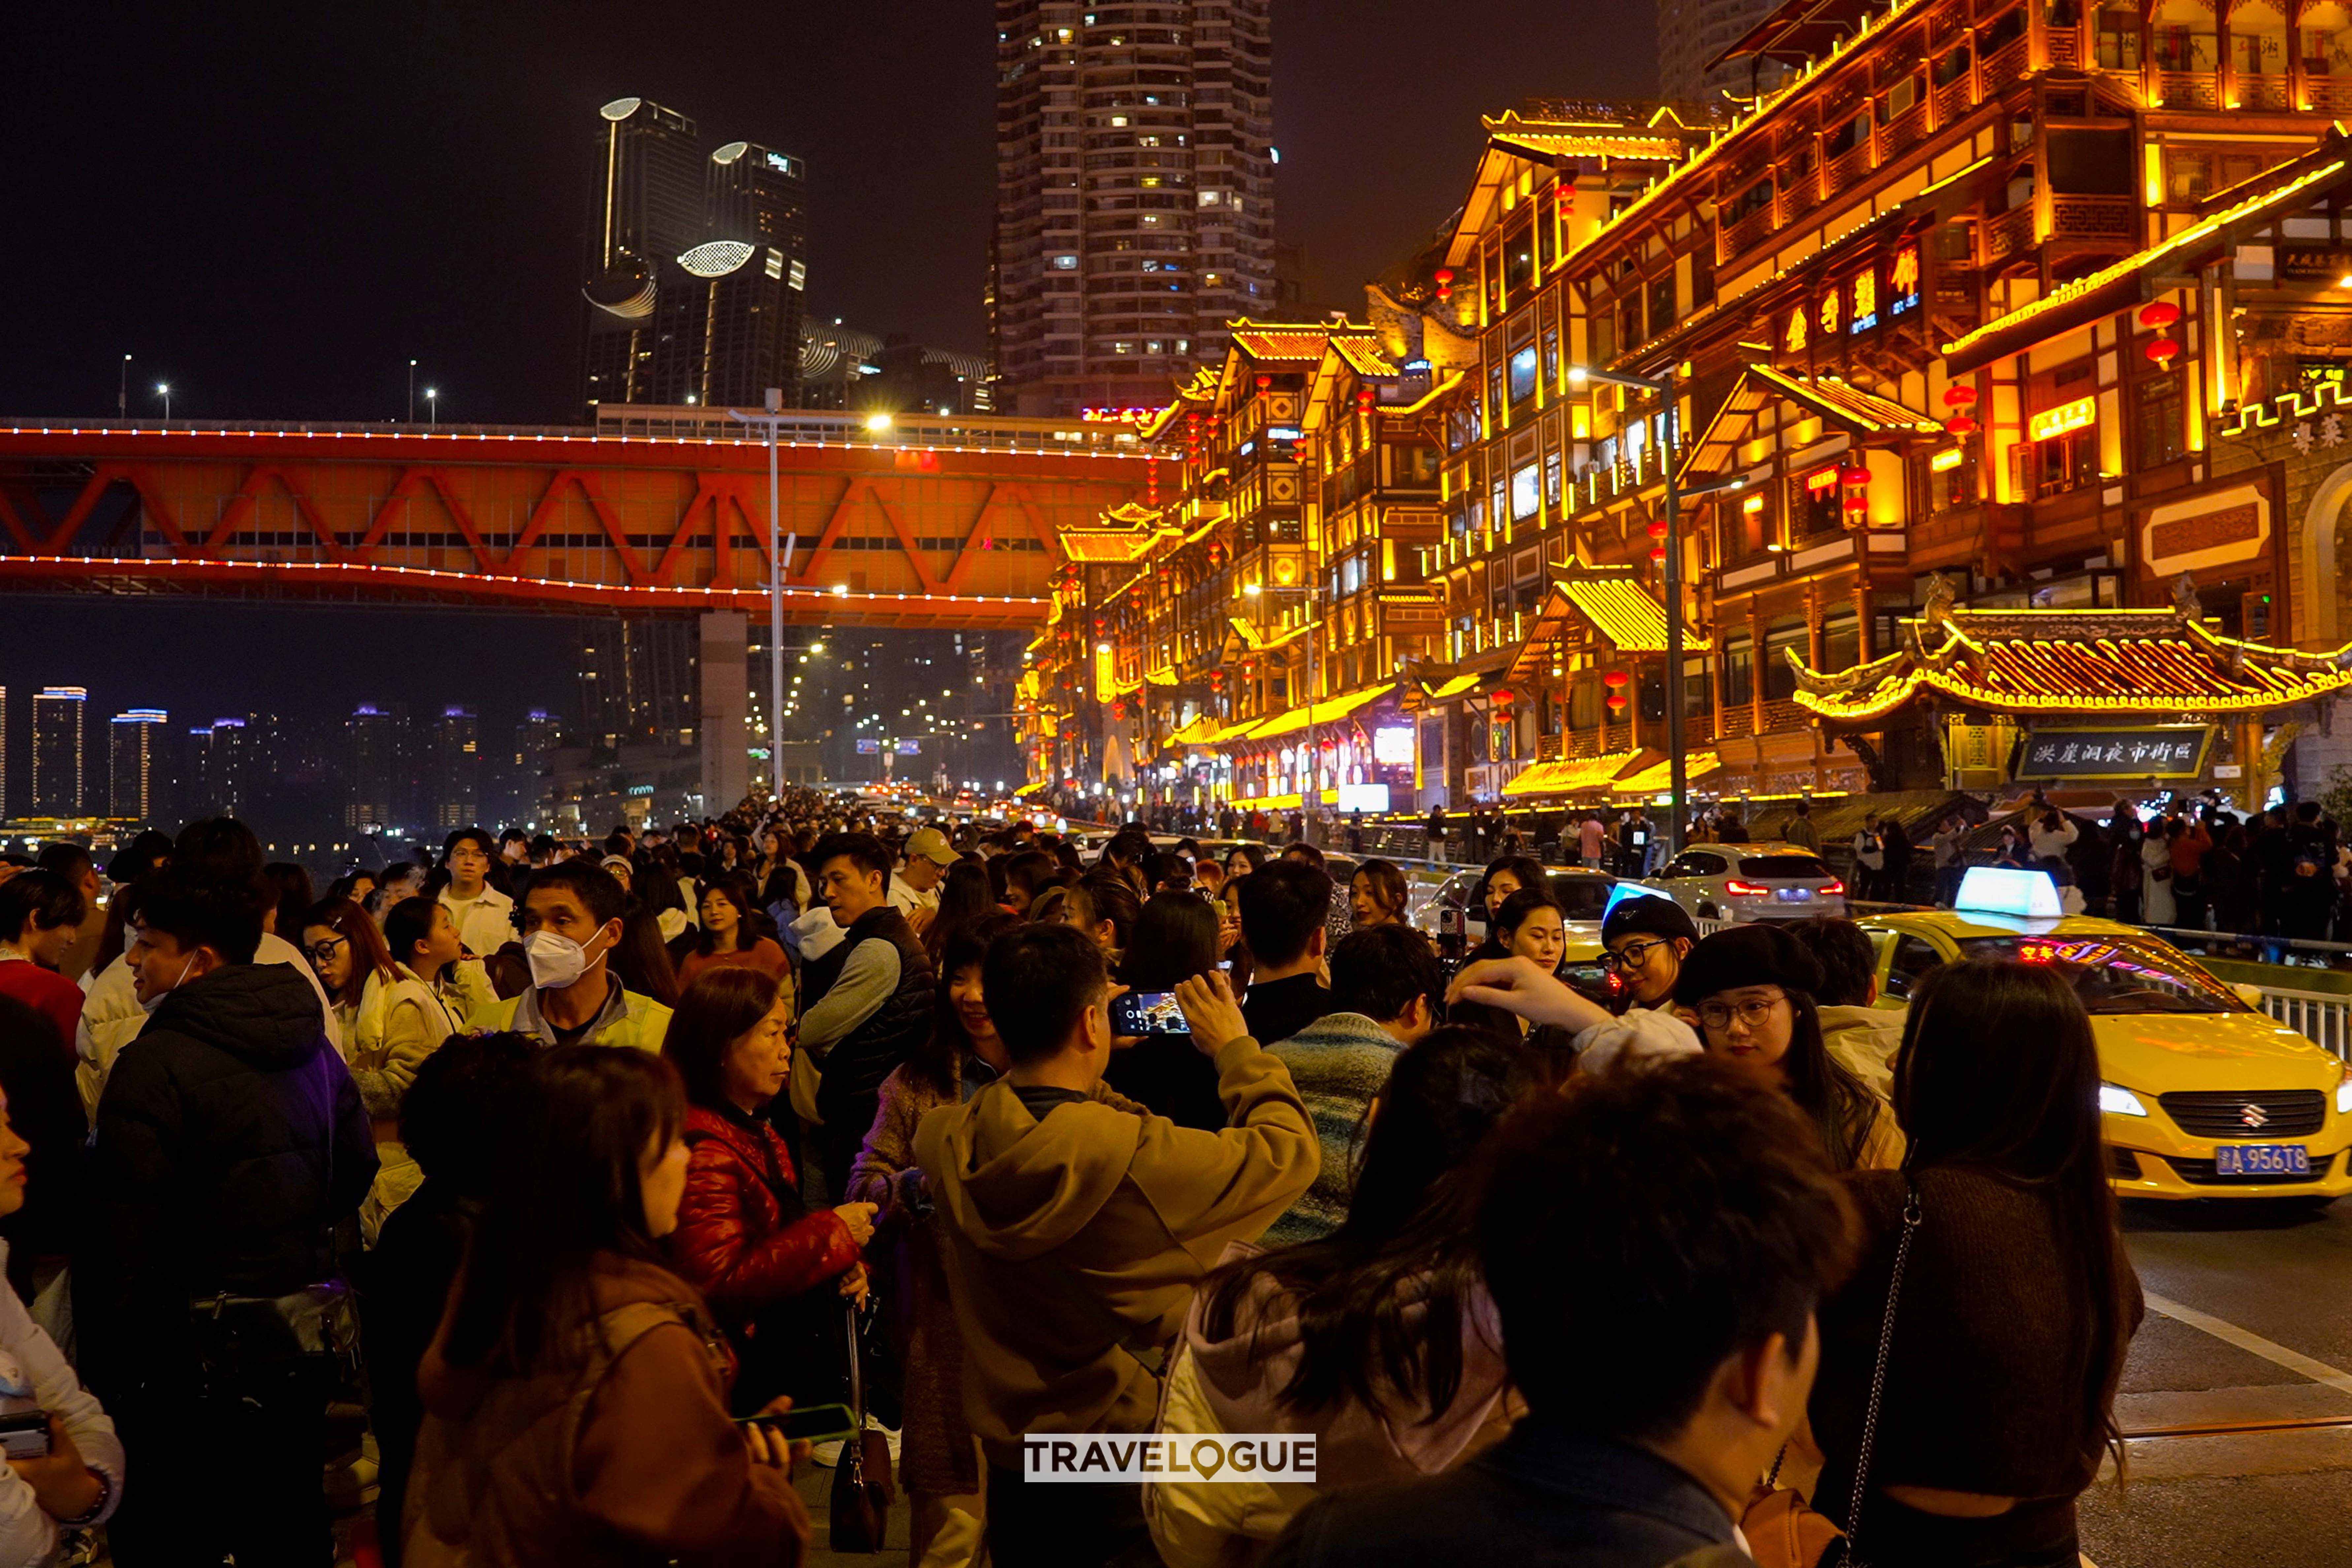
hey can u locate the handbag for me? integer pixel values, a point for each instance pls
(861, 1492)
(315, 1329)
(1782, 1530)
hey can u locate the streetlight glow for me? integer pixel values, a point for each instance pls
(878, 424)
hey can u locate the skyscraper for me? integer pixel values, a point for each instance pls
(638, 681)
(137, 770)
(1693, 32)
(4, 753)
(1135, 195)
(57, 777)
(456, 771)
(375, 746)
(696, 267)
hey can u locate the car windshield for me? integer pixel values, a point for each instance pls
(1782, 866)
(2115, 975)
(1581, 897)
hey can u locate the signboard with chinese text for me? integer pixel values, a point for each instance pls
(2141, 751)
(2064, 417)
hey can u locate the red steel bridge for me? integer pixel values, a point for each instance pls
(946, 523)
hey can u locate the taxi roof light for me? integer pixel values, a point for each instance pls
(2008, 890)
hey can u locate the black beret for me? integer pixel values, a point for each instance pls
(1649, 916)
(1756, 954)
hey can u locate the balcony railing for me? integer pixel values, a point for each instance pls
(1744, 234)
(2329, 92)
(1952, 98)
(2003, 65)
(2094, 218)
(2187, 89)
(2010, 234)
(2263, 92)
(1846, 168)
(2065, 46)
(1897, 136)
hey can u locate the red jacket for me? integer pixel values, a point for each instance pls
(736, 1239)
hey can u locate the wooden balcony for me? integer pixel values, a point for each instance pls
(2010, 234)
(1899, 134)
(1953, 100)
(1743, 236)
(2095, 219)
(2003, 67)
(2329, 92)
(2263, 92)
(2187, 89)
(1846, 168)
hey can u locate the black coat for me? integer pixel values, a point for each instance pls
(860, 1061)
(44, 1108)
(230, 1142)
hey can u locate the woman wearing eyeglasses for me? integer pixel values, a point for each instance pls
(1749, 990)
(1647, 940)
(346, 953)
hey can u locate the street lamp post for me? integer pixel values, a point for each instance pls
(432, 406)
(412, 391)
(780, 560)
(163, 390)
(122, 392)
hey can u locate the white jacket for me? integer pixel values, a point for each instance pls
(112, 1017)
(34, 1376)
(2048, 844)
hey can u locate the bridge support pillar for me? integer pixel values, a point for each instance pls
(726, 710)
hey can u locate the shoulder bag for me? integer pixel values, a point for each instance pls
(1782, 1530)
(861, 1492)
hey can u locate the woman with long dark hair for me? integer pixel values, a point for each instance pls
(290, 896)
(1506, 875)
(566, 1305)
(1174, 939)
(1376, 895)
(1105, 908)
(346, 953)
(772, 1267)
(1751, 988)
(962, 1056)
(1378, 1339)
(964, 898)
(2017, 1301)
(731, 934)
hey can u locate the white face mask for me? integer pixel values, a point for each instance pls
(556, 961)
(152, 1002)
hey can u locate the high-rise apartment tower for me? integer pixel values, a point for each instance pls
(1691, 33)
(57, 777)
(137, 769)
(1135, 195)
(695, 268)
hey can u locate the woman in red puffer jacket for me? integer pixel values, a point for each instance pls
(773, 1270)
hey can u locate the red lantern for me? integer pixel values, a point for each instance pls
(1216, 680)
(2160, 315)
(1959, 425)
(1363, 397)
(1263, 382)
(1659, 553)
(1657, 527)
(1615, 679)
(1960, 396)
(1504, 699)
(1617, 702)
(1445, 276)
(2163, 351)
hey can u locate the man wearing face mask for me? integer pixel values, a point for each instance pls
(229, 1144)
(571, 924)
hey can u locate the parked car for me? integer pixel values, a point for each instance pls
(2204, 1096)
(1752, 882)
(1582, 893)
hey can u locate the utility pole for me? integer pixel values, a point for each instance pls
(122, 392)
(412, 391)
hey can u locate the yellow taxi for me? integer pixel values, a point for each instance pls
(2202, 1095)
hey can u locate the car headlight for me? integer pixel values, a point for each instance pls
(2117, 1101)
(2343, 1094)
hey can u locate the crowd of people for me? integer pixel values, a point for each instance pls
(570, 1170)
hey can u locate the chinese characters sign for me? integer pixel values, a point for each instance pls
(2160, 752)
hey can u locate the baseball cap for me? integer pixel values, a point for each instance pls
(931, 845)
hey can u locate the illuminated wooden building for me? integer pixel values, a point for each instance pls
(1278, 566)
(1990, 287)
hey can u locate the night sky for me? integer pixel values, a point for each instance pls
(274, 207)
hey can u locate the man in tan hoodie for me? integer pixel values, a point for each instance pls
(1074, 1225)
